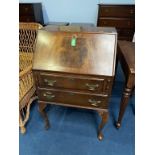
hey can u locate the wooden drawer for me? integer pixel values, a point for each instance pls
(127, 38)
(125, 32)
(73, 98)
(117, 22)
(26, 19)
(72, 82)
(26, 9)
(116, 11)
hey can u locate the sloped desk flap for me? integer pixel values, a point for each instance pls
(85, 52)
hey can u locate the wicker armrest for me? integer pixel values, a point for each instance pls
(25, 71)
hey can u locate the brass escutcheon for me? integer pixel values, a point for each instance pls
(92, 86)
(50, 82)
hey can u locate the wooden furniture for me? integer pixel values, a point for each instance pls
(27, 37)
(74, 66)
(31, 12)
(126, 56)
(58, 23)
(122, 17)
(82, 24)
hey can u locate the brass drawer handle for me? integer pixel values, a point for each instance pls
(48, 95)
(92, 86)
(105, 95)
(50, 82)
(94, 102)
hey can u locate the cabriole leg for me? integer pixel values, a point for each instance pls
(104, 116)
(42, 107)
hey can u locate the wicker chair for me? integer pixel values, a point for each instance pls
(27, 37)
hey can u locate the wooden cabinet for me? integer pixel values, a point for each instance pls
(31, 12)
(120, 16)
(75, 66)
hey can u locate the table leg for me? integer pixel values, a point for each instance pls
(42, 107)
(104, 116)
(124, 103)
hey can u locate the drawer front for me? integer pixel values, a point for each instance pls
(71, 82)
(73, 98)
(26, 19)
(117, 22)
(125, 32)
(116, 11)
(26, 9)
(125, 38)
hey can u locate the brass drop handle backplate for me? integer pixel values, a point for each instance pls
(48, 95)
(92, 86)
(94, 102)
(50, 82)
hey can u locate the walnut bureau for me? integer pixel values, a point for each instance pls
(75, 66)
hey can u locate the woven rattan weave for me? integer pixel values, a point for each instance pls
(27, 37)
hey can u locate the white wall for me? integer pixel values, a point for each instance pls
(73, 10)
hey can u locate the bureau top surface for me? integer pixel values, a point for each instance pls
(77, 50)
